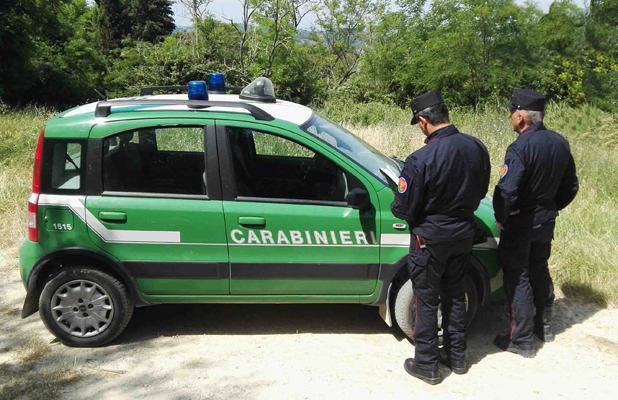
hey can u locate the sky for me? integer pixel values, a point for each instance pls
(232, 9)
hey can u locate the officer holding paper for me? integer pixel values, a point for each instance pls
(440, 187)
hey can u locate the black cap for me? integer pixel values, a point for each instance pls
(524, 99)
(424, 101)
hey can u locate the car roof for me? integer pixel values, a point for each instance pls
(283, 110)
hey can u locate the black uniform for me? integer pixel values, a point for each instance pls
(538, 179)
(440, 187)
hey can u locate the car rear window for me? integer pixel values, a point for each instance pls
(66, 166)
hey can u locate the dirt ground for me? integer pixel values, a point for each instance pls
(293, 352)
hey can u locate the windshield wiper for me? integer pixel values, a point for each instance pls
(398, 162)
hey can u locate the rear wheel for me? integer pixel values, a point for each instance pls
(405, 306)
(85, 306)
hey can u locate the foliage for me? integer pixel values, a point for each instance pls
(472, 50)
(359, 51)
(343, 25)
(300, 77)
(167, 63)
(149, 20)
(116, 20)
(602, 31)
(52, 59)
(108, 15)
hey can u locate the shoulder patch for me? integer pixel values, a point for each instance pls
(505, 169)
(403, 185)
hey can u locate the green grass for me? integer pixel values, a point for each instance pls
(584, 262)
(19, 132)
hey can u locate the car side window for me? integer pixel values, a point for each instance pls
(273, 167)
(155, 160)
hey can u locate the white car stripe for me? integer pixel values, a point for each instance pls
(76, 203)
(395, 239)
(403, 240)
(490, 243)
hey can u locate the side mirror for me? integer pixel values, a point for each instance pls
(358, 199)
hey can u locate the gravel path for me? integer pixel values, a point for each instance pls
(311, 352)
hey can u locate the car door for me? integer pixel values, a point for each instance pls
(290, 230)
(159, 210)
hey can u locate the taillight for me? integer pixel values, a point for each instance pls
(33, 200)
(33, 207)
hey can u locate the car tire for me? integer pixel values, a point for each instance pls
(405, 306)
(85, 306)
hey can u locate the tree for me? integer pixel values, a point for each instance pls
(343, 25)
(68, 67)
(46, 54)
(300, 77)
(149, 20)
(275, 22)
(602, 28)
(473, 51)
(247, 38)
(109, 16)
(198, 10)
(600, 83)
(299, 10)
(16, 43)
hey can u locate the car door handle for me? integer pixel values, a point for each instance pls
(400, 227)
(113, 217)
(252, 221)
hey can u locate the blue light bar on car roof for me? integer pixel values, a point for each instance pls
(216, 83)
(198, 90)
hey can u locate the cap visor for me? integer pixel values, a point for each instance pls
(509, 105)
(414, 120)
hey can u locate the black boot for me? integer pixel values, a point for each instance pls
(503, 342)
(542, 325)
(431, 377)
(458, 367)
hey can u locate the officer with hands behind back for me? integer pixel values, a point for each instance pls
(538, 179)
(440, 187)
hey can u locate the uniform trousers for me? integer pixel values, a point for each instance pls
(438, 274)
(523, 252)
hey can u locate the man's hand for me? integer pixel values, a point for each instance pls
(500, 225)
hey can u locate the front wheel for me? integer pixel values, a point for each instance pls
(85, 306)
(405, 306)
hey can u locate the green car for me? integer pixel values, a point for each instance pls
(215, 198)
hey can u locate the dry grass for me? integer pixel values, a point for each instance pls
(19, 132)
(32, 374)
(10, 311)
(25, 381)
(33, 350)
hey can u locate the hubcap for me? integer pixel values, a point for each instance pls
(82, 308)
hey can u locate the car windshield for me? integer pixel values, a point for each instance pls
(352, 146)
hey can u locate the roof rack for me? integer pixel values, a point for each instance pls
(103, 108)
(149, 90)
